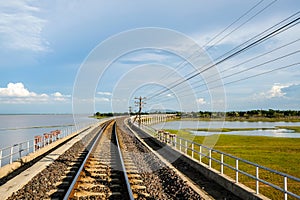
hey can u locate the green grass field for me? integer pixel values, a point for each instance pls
(281, 154)
(225, 129)
(242, 119)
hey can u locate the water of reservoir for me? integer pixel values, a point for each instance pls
(176, 125)
(19, 128)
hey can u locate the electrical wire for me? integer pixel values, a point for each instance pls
(239, 46)
(258, 41)
(185, 63)
(182, 92)
(239, 72)
(242, 79)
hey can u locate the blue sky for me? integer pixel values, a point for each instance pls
(45, 44)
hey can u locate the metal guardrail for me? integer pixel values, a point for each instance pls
(16, 151)
(202, 152)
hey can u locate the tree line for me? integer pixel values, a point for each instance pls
(246, 114)
(208, 114)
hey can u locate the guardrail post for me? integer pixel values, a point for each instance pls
(34, 146)
(180, 144)
(285, 188)
(237, 171)
(28, 147)
(175, 141)
(1, 158)
(257, 181)
(193, 150)
(159, 136)
(222, 164)
(209, 164)
(20, 150)
(200, 154)
(11, 154)
(186, 147)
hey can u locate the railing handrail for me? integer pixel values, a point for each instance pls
(183, 144)
(16, 145)
(243, 160)
(14, 149)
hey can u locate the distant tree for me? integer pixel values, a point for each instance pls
(97, 114)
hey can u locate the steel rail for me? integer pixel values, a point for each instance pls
(120, 157)
(129, 191)
(73, 184)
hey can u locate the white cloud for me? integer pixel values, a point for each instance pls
(104, 93)
(60, 97)
(275, 91)
(201, 101)
(16, 90)
(280, 90)
(146, 56)
(57, 94)
(102, 99)
(20, 27)
(16, 93)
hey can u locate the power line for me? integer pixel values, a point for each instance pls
(238, 19)
(260, 11)
(181, 92)
(247, 69)
(244, 43)
(257, 56)
(243, 79)
(267, 72)
(185, 63)
(258, 41)
(239, 46)
(249, 60)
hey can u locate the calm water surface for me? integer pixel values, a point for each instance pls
(235, 124)
(19, 128)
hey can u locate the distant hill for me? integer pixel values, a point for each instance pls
(162, 111)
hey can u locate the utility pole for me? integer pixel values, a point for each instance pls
(130, 110)
(139, 104)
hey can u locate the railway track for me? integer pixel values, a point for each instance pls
(107, 172)
(108, 163)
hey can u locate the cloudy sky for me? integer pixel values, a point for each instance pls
(102, 54)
